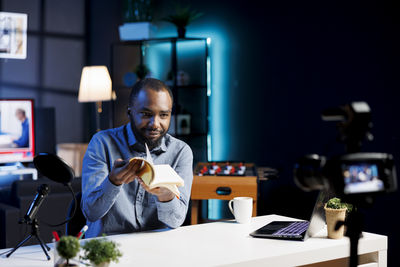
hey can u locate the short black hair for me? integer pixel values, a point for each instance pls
(20, 110)
(151, 84)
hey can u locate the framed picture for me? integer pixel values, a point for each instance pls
(13, 35)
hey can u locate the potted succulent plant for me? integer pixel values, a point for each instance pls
(67, 248)
(335, 211)
(182, 18)
(100, 252)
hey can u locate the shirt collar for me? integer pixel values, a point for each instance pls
(139, 146)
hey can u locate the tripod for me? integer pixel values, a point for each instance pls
(34, 233)
(354, 225)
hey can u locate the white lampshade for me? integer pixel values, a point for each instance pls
(95, 84)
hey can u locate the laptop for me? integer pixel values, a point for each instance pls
(297, 230)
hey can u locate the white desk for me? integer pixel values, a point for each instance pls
(9, 175)
(19, 171)
(222, 244)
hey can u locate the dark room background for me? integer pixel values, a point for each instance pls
(284, 62)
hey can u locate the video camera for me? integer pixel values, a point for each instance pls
(356, 177)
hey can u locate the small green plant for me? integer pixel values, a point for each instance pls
(183, 16)
(68, 247)
(141, 71)
(336, 203)
(101, 250)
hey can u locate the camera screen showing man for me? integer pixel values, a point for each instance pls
(17, 134)
(23, 140)
(361, 178)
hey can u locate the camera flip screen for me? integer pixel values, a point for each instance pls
(361, 178)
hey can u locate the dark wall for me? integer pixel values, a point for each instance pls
(50, 74)
(289, 61)
(304, 59)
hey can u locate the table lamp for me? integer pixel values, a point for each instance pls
(96, 87)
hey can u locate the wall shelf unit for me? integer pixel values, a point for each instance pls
(184, 65)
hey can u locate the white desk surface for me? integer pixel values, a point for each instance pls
(214, 244)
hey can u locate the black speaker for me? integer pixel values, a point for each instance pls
(45, 130)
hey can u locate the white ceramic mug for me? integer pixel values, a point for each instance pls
(242, 208)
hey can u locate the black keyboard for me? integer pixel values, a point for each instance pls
(295, 228)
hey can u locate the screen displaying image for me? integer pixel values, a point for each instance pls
(13, 35)
(361, 178)
(16, 130)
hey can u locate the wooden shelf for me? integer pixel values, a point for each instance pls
(160, 40)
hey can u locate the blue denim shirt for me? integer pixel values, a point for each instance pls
(23, 140)
(112, 209)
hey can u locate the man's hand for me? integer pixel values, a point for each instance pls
(124, 172)
(162, 193)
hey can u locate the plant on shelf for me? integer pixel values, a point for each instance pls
(100, 252)
(68, 247)
(336, 210)
(137, 10)
(182, 18)
(141, 71)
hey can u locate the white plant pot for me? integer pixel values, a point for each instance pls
(332, 217)
(103, 264)
(136, 31)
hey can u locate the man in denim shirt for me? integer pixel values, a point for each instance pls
(114, 199)
(23, 140)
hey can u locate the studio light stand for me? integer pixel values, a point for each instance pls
(354, 223)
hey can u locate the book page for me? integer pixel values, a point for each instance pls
(146, 171)
(164, 174)
(148, 155)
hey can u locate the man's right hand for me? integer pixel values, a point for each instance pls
(124, 171)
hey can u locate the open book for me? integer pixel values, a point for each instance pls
(161, 175)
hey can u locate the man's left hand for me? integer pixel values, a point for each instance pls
(162, 193)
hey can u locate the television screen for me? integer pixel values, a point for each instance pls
(16, 130)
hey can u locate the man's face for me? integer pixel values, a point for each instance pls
(19, 115)
(150, 116)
